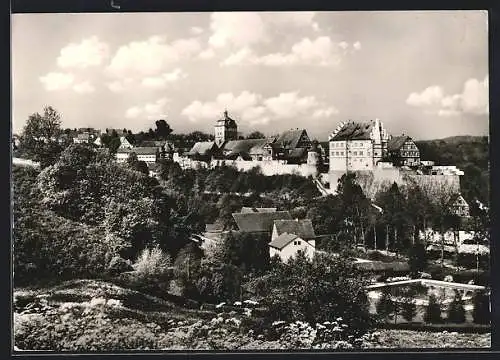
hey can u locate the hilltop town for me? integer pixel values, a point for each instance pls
(210, 218)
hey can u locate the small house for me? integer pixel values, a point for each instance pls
(288, 245)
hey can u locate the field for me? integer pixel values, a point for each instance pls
(88, 315)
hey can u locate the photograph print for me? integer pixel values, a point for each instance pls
(248, 181)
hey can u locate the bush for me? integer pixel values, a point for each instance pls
(481, 312)
(118, 265)
(433, 311)
(409, 308)
(385, 305)
(153, 264)
(456, 310)
(317, 291)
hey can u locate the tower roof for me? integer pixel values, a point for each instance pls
(226, 120)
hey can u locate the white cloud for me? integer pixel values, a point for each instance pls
(120, 85)
(325, 112)
(151, 56)
(318, 52)
(236, 28)
(196, 30)
(430, 96)
(89, 52)
(287, 105)
(357, 45)
(161, 81)
(57, 81)
(150, 111)
(242, 56)
(255, 110)
(343, 45)
(207, 54)
(84, 87)
(472, 100)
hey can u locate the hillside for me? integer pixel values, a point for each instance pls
(470, 154)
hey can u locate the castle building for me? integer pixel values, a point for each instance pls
(225, 130)
(357, 146)
(403, 151)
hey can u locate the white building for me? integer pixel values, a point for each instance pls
(357, 146)
(147, 154)
(287, 246)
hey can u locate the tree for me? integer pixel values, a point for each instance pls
(433, 311)
(481, 312)
(409, 308)
(247, 251)
(417, 258)
(256, 135)
(319, 290)
(456, 310)
(40, 136)
(385, 305)
(163, 129)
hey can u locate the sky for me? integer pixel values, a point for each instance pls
(424, 74)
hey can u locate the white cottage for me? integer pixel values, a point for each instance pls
(287, 246)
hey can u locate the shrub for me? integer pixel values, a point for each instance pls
(456, 310)
(433, 311)
(408, 308)
(153, 264)
(385, 305)
(481, 311)
(118, 265)
(317, 291)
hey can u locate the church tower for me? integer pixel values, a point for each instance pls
(225, 130)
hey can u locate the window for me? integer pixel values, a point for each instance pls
(336, 153)
(341, 153)
(361, 153)
(355, 153)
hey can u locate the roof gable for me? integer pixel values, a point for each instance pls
(140, 150)
(354, 131)
(202, 148)
(283, 240)
(396, 142)
(302, 228)
(290, 139)
(259, 221)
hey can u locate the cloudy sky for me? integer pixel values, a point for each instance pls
(421, 73)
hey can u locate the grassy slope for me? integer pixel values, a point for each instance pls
(147, 322)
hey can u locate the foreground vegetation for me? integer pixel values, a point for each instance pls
(100, 316)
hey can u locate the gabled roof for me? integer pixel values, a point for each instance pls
(246, 210)
(283, 240)
(396, 142)
(457, 198)
(354, 131)
(297, 153)
(260, 221)
(202, 148)
(289, 139)
(140, 150)
(242, 146)
(226, 121)
(302, 228)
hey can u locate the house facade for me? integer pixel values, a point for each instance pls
(287, 246)
(357, 146)
(147, 154)
(403, 151)
(459, 206)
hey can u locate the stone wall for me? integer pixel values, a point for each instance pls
(380, 179)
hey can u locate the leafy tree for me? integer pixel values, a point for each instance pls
(40, 137)
(456, 310)
(317, 291)
(408, 307)
(481, 312)
(247, 251)
(163, 129)
(111, 141)
(132, 160)
(256, 135)
(433, 311)
(385, 305)
(187, 269)
(417, 258)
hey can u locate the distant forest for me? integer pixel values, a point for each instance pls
(468, 153)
